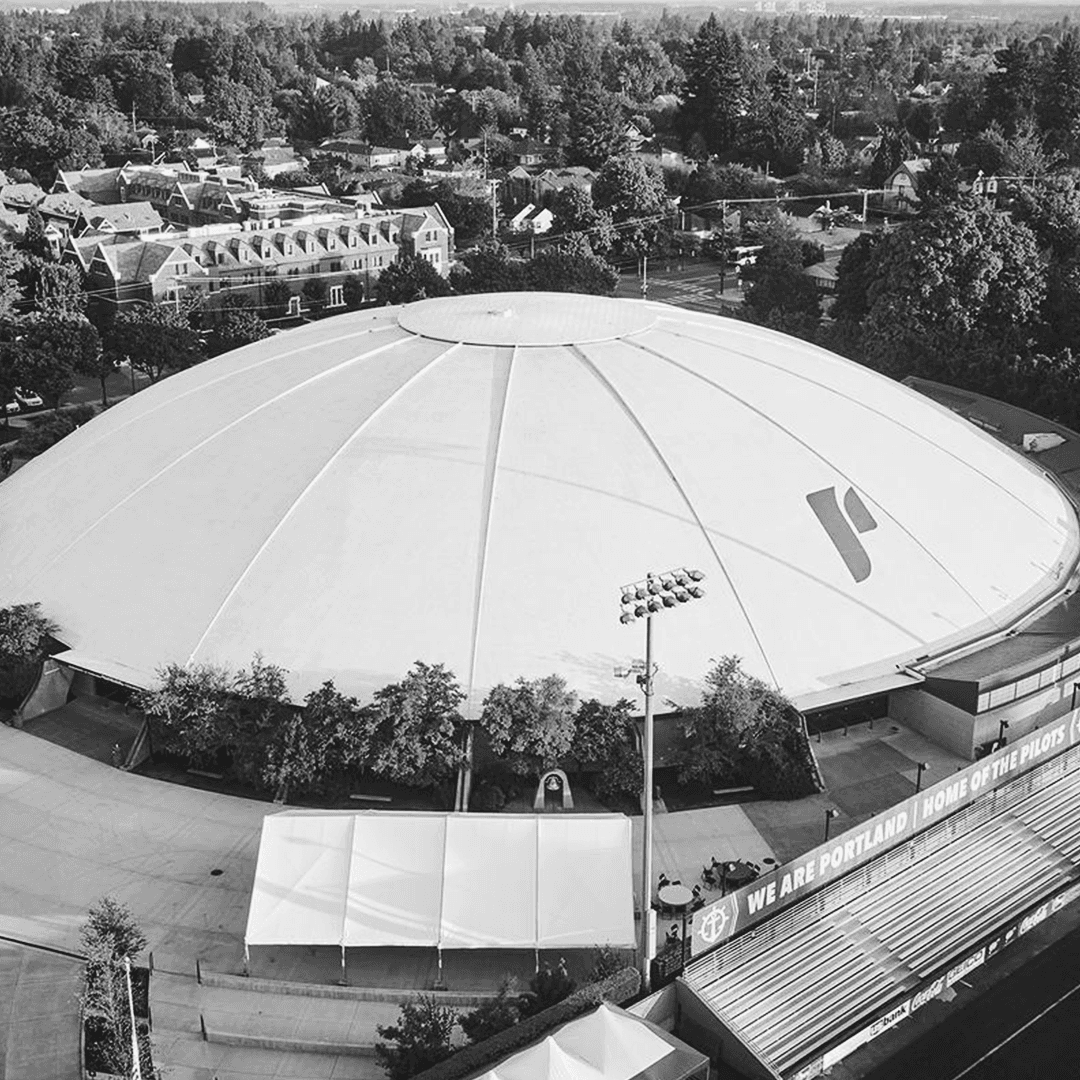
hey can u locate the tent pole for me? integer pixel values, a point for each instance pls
(344, 980)
(247, 959)
(536, 961)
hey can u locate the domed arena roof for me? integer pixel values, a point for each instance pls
(471, 480)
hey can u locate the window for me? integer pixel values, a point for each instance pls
(335, 266)
(337, 296)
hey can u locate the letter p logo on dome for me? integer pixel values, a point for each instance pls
(839, 528)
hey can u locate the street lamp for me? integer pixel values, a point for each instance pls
(1003, 726)
(830, 813)
(641, 600)
(922, 766)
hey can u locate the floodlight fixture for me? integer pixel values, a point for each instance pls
(628, 597)
(695, 575)
(626, 617)
(669, 601)
(682, 596)
(696, 591)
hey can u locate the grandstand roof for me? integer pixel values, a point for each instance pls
(867, 940)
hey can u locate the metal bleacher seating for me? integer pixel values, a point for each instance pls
(833, 961)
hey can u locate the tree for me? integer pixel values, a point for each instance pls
(419, 1039)
(46, 351)
(781, 295)
(634, 194)
(239, 327)
(315, 291)
(963, 280)
(744, 731)
(110, 937)
(52, 288)
(418, 728)
(1061, 97)
(410, 278)
(276, 295)
(597, 128)
(494, 1015)
(571, 266)
(10, 265)
(25, 635)
(489, 268)
(1012, 89)
(111, 925)
(715, 98)
(575, 212)
(395, 109)
(353, 292)
(34, 241)
(605, 744)
(156, 339)
(188, 712)
(530, 725)
(852, 301)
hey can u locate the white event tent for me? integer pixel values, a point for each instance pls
(605, 1044)
(446, 881)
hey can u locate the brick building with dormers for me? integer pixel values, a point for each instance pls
(220, 260)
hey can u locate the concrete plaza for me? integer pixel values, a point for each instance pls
(75, 829)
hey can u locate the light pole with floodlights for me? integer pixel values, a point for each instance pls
(641, 600)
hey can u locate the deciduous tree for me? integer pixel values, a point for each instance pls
(530, 725)
(419, 1039)
(418, 728)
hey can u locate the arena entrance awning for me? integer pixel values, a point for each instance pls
(448, 881)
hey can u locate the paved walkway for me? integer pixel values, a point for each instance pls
(39, 1014)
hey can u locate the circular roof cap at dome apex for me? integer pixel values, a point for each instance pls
(471, 480)
(526, 319)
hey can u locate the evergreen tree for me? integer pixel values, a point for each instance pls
(715, 97)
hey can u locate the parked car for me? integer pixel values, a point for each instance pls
(11, 407)
(28, 399)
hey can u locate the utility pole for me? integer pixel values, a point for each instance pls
(493, 186)
(644, 278)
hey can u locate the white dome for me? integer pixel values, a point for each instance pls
(471, 480)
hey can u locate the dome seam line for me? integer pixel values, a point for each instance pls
(215, 381)
(491, 469)
(761, 414)
(880, 414)
(198, 446)
(659, 455)
(386, 402)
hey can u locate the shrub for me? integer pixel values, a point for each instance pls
(24, 643)
(49, 430)
(501, 1012)
(547, 987)
(420, 1038)
(488, 798)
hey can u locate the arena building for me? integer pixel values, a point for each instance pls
(470, 481)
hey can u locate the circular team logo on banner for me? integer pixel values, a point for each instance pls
(715, 923)
(713, 927)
